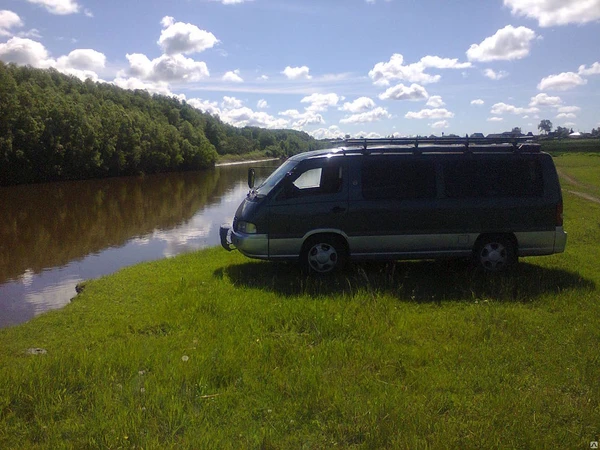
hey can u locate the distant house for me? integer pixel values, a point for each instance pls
(477, 135)
(577, 134)
(506, 134)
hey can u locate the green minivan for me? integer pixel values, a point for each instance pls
(484, 199)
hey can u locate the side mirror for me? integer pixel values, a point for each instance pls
(288, 185)
(251, 175)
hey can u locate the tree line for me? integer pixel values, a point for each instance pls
(56, 127)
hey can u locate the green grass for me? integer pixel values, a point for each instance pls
(583, 171)
(213, 350)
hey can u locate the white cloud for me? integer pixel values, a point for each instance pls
(440, 124)
(262, 104)
(545, 100)
(302, 119)
(82, 59)
(80, 63)
(359, 105)
(231, 103)
(132, 83)
(477, 102)
(297, 73)
(179, 37)
(384, 72)
(566, 116)
(401, 92)
(59, 7)
(25, 52)
(8, 20)
(333, 132)
(492, 75)
(437, 113)
(263, 77)
(569, 109)
(174, 68)
(364, 134)
(556, 12)
(593, 70)
(233, 112)
(435, 101)
(507, 44)
(205, 105)
(321, 102)
(244, 116)
(561, 82)
(503, 108)
(307, 118)
(233, 76)
(366, 117)
(293, 113)
(495, 119)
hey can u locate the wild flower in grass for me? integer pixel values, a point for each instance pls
(185, 358)
(143, 390)
(141, 372)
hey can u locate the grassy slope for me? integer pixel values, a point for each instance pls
(212, 350)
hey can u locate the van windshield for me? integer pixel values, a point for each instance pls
(275, 178)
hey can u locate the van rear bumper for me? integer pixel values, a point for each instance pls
(538, 243)
(560, 240)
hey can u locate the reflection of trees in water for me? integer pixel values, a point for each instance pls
(51, 224)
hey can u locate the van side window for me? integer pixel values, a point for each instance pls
(392, 178)
(319, 180)
(493, 178)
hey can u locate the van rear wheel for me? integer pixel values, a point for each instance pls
(495, 253)
(324, 254)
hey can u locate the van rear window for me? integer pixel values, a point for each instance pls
(393, 178)
(493, 178)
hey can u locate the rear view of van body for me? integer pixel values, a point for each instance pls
(383, 199)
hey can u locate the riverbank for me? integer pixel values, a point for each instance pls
(252, 161)
(213, 350)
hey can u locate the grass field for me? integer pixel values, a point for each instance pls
(213, 350)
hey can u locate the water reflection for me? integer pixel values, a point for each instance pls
(54, 235)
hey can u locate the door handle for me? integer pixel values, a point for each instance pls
(338, 209)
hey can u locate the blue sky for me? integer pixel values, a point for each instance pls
(332, 67)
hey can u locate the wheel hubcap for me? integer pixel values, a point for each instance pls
(493, 256)
(322, 257)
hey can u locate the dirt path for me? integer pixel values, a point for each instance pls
(589, 197)
(577, 183)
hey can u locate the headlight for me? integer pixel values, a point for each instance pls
(246, 227)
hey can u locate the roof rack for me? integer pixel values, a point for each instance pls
(516, 144)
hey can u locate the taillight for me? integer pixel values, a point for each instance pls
(559, 214)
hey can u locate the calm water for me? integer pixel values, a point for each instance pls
(53, 236)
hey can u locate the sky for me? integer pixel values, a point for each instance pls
(370, 68)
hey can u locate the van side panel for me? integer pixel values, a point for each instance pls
(444, 225)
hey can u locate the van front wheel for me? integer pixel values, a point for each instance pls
(324, 254)
(495, 253)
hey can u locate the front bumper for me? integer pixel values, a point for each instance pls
(251, 245)
(225, 235)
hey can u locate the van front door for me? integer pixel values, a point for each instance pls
(312, 198)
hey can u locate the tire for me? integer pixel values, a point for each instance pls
(324, 254)
(495, 253)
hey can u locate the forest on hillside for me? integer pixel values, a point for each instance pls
(57, 127)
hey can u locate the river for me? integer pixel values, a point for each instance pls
(55, 235)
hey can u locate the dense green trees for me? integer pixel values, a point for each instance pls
(56, 127)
